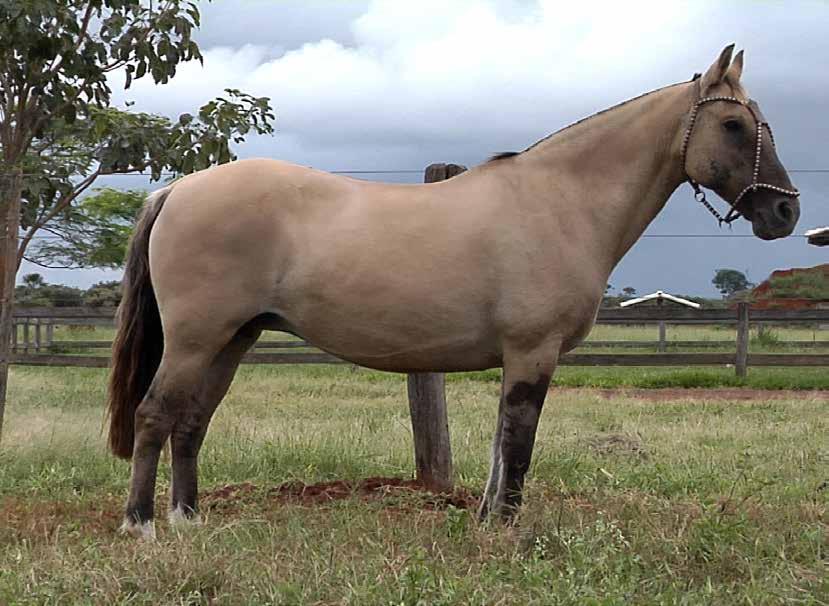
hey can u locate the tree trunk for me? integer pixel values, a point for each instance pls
(11, 186)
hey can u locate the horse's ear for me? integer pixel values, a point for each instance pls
(716, 72)
(736, 70)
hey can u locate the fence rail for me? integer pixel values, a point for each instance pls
(38, 347)
(607, 315)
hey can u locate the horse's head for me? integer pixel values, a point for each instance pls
(728, 147)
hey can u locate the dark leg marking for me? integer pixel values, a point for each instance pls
(152, 427)
(191, 427)
(523, 404)
(185, 441)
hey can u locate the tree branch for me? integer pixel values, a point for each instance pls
(34, 261)
(59, 206)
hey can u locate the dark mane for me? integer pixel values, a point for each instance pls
(502, 156)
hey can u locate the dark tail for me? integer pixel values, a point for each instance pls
(139, 342)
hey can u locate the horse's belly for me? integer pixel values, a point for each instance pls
(443, 360)
(414, 339)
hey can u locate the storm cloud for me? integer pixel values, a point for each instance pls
(397, 85)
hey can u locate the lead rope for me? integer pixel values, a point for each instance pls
(699, 196)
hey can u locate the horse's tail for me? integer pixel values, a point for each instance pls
(139, 342)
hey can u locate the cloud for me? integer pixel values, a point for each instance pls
(436, 72)
(389, 84)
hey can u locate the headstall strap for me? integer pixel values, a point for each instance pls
(733, 214)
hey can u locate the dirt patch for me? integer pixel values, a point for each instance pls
(698, 393)
(398, 492)
(31, 518)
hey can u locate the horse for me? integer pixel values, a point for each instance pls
(503, 266)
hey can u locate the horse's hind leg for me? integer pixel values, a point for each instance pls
(526, 380)
(175, 391)
(176, 386)
(191, 427)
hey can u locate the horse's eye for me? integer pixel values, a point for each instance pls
(732, 126)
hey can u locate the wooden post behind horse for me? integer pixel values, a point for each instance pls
(427, 398)
(501, 266)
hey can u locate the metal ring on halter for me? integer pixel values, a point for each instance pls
(733, 213)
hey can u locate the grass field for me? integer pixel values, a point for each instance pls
(630, 501)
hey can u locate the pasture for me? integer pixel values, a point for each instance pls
(630, 500)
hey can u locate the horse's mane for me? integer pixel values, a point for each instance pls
(512, 154)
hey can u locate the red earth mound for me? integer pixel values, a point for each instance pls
(369, 489)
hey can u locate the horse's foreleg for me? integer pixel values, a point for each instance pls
(495, 462)
(191, 427)
(525, 383)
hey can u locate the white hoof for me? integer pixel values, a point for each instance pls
(180, 521)
(144, 531)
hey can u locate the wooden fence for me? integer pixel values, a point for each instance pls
(34, 342)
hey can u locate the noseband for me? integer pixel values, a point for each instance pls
(699, 194)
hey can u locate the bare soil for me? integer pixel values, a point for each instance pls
(402, 493)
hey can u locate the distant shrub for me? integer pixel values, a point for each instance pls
(801, 285)
(103, 294)
(767, 338)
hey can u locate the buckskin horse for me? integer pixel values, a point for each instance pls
(502, 266)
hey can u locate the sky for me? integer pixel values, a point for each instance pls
(390, 85)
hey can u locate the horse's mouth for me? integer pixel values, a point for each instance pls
(766, 230)
(775, 220)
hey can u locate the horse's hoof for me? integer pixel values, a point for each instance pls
(144, 531)
(496, 512)
(181, 520)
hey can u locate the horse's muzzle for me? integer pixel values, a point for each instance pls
(776, 219)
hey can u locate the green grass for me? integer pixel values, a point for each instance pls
(630, 501)
(607, 377)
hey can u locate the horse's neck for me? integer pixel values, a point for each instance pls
(614, 172)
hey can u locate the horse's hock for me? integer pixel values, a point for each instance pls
(427, 399)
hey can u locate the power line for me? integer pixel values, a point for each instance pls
(713, 236)
(748, 236)
(362, 172)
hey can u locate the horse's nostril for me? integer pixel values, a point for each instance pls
(783, 210)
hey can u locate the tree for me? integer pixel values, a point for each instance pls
(730, 281)
(36, 292)
(33, 281)
(629, 291)
(92, 233)
(103, 294)
(59, 131)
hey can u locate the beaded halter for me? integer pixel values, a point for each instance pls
(733, 213)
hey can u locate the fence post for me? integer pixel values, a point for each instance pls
(14, 336)
(50, 333)
(662, 346)
(38, 335)
(427, 399)
(741, 360)
(26, 336)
